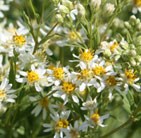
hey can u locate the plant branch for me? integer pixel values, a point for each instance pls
(118, 128)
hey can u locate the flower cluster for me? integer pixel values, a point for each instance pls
(66, 76)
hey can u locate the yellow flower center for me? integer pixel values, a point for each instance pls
(19, 40)
(95, 117)
(62, 123)
(58, 73)
(86, 56)
(99, 70)
(68, 87)
(32, 76)
(73, 35)
(44, 102)
(137, 3)
(85, 73)
(130, 75)
(111, 81)
(2, 94)
(113, 46)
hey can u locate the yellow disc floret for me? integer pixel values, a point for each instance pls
(62, 123)
(111, 81)
(95, 117)
(19, 40)
(58, 73)
(2, 94)
(68, 87)
(130, 76)
(137, 3)
(32, 77)
(85, 73)
(114, 46)
(99, 70)
(86, 55)
(73, 35)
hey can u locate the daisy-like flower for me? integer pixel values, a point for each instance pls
(93, 120)
(89, 104)
(34, 77)
(100, 71)
(109, 49)
(59, 124)
(85, 58)
(42, 104)
(83, 80)
(130, 79)
(56, 74)
(112, 83)
(67, 89)
(6, 93)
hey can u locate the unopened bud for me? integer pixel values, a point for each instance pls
(127, 25)
(63, 9)
(133, 62)
(109, 8)
(81, 9)
(59, 18)
(68, 4)
(133, 53)
(95, 3)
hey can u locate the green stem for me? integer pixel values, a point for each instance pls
(46, 37)
(118, 128)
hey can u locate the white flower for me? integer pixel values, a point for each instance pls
(67, 89)
(89, 104)
(59, 124)
(6, 93)
(95, 3)
(109, 7)
(130, 79)
(93, 120)
(34, 77)
(42, 104)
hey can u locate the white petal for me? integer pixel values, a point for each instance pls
(75, 99)
(37, 87)
(82, 87)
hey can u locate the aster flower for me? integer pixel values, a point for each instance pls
(93, 120)
(59, 124)
(67, 89)
(89, 104)
(42, 105)
(34, 77)
(130, 79)
(6, 93)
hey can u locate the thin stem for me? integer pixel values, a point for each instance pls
(118, 128)
(46, 37)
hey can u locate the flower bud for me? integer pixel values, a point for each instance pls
(63, 9)
(95, 3)
(127, 25)
(68, 4)
(81, 9)
(133, 53)
(109, 8)
(59, 18)
(138, 58)
(133, 62)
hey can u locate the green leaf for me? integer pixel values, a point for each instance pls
(126, 104)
